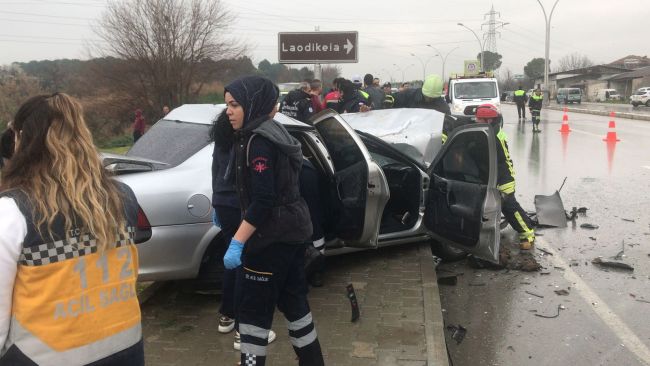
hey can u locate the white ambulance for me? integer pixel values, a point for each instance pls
(465, 93)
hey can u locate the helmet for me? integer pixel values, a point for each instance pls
(356, 79)
(487, 110)
(432, 86)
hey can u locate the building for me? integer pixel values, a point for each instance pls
(631, 62)
(627, 83)
(588, 79)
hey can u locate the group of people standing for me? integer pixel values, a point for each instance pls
(534, 104)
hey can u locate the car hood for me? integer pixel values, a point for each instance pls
(414, 132)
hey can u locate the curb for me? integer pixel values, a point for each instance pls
(627, 115)
(639, 117)
(433, 323)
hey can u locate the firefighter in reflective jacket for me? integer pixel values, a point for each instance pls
(535, 105)
(520, 98)
(516, 216)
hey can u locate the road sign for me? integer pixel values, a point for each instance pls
(318, 47)
(472, 67)
(519, 76)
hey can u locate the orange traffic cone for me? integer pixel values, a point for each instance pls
(565, 123)
(611, 133)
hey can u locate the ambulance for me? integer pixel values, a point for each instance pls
(465, 93)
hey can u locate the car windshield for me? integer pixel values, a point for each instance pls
(171, 142)
(574, 91)
(474, 90)
(640, 93)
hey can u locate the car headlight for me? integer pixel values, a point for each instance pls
(458, 108)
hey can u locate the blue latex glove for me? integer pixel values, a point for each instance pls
(215, 218)
(232, 258)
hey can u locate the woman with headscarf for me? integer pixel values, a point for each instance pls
(68, 264)
(269, 243)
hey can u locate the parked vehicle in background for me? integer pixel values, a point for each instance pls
(386, 178)
(641, 97)
(507, 96)
(643, 89)
(467, 93)
(604, 95)
(568, 95)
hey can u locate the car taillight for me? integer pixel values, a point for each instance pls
(143, 229)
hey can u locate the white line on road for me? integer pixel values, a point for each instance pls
(587, 133)
(607, 315)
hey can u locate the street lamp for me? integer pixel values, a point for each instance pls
(424, 64)
(478, 39)
(548, 41)
(444, 59)
(389, 74)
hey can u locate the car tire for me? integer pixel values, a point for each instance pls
(211, 272)
(647, 104)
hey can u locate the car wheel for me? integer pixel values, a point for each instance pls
(634, 105)
(647, 104)
(211, 272)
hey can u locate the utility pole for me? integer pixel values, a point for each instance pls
(546, 51)
(480, 44)
(318, 71)
(490, 38)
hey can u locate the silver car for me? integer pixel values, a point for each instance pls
(385, 176)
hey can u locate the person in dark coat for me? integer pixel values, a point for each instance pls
(351, 101)
(269, 244)
(298, 103)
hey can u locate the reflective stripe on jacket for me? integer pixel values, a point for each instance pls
(505, 168)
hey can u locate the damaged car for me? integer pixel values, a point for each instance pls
(386, 179)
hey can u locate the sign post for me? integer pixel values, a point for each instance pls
(318, 47)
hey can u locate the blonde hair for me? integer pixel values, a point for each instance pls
(59, 169)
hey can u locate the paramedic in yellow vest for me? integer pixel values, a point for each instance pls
(68, 265)
(516, 216)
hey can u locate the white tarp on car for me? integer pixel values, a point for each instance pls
(415, 132)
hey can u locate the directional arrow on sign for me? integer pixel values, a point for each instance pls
(349, 46)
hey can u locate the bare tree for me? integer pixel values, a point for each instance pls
(573, 61)
(163, 47)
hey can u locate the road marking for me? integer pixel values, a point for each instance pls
(587, 133)
(607, 315)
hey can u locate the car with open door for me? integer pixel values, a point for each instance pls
(384, 179)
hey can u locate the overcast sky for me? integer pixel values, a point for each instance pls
(389, 31)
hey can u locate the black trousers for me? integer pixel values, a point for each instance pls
(273, 277)
(516, 216)
(521, 110)
(229, 218)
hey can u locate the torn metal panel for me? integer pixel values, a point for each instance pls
(550, 210)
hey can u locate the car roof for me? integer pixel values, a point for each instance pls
(415, 132)
(206, 113)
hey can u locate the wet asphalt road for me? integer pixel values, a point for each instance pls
(606, 315)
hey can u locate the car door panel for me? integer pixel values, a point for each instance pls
(359, 183)
(463, 204)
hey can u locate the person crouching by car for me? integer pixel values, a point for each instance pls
(270, 241)
(68, 263)
(516, 216)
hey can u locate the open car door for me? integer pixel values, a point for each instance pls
(463, 207)
(360, 184)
